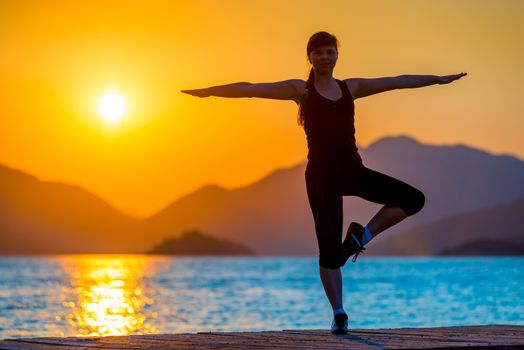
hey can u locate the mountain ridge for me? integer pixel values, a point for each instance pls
(271, 215)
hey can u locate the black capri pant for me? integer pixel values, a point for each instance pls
(325, 189)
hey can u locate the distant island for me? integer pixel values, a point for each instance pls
(486, 247)
(194, 242)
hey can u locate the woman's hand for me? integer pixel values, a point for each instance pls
(446, 79)
(197, 92)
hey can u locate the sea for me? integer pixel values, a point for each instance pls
(99, 295)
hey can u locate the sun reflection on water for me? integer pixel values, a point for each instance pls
(107, 296)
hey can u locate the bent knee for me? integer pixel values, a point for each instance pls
(416, 203)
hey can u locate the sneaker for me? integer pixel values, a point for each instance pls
(353, 242)
(340, 324)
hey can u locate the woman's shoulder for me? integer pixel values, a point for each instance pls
(299, 85)
(351, 84)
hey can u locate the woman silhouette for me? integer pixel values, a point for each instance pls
(334, 168)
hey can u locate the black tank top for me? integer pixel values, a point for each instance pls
(330, 128)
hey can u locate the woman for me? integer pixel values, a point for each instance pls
(334, 168)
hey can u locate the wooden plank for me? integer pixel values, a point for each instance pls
(463, 337)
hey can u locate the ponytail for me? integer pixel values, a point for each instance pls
(302, 106)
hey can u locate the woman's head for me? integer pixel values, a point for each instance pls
(321, 40)
(322, 53)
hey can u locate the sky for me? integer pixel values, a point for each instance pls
(59, 58)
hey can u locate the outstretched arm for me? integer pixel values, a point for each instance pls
(415, 81)
(361, 87)
(230, 90)
(281, 90)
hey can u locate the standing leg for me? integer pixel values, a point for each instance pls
(332, 282)
(326, 207)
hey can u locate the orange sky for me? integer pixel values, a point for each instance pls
(58, 57)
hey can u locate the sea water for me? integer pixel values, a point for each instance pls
(91, 295)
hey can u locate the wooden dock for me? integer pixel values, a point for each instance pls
(464, 337)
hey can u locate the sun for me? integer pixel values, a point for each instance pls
(112, 107)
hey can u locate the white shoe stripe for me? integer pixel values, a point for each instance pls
(356, 240)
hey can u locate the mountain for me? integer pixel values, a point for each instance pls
(480, 231)
(270, 216)
(39, 217)
(456, 178)
(273, 216)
